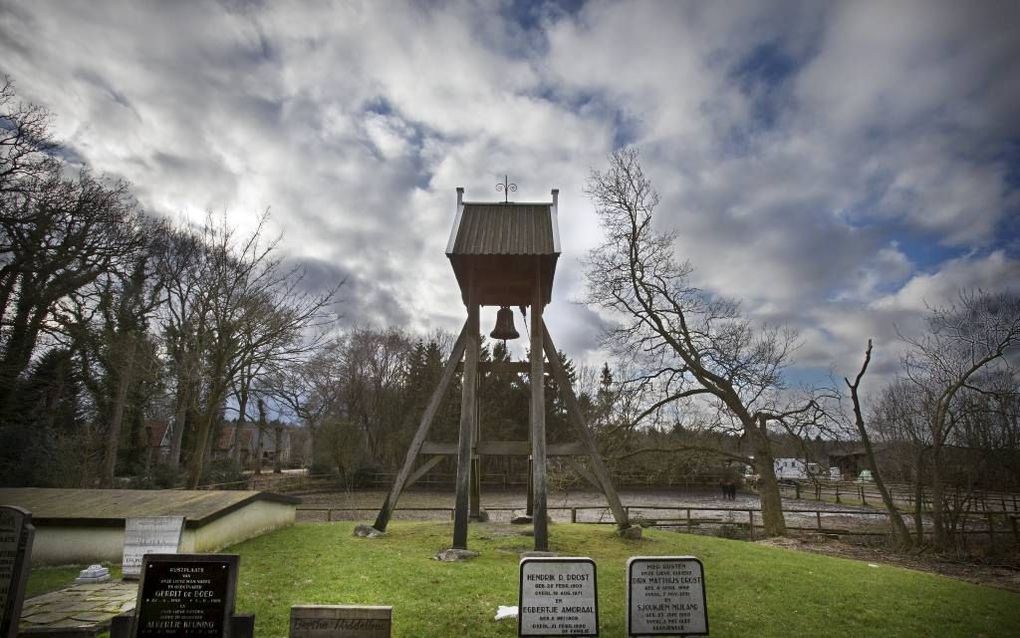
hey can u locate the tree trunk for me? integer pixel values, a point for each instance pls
(768, 486)
(278, 443)
(242, 406)
(117, 416)
(258, 446)
(938, 498)
(180, 418)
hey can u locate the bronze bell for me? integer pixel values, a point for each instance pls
(504, 329)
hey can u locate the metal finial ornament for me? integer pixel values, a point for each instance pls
(507, 187)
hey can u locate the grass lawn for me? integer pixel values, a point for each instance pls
(752, 590)
(44, 579)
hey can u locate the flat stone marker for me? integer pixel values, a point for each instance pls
(186, 595)
(16, 534)
(666, 596)
(149, 535)
(558, 597)
(340, 621)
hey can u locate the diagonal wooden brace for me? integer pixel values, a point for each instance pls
(390, 504)
(598, 467)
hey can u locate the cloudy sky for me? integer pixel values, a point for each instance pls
(834, 165)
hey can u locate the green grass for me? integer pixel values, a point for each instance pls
(45, 579)
(752, 590)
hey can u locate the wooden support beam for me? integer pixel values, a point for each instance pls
(423, 470)
(467, 428)
(523, 448)
(431, 447)
(585, 473)
(598, 467)
(386, 511)
(537, 382)
(517, 367)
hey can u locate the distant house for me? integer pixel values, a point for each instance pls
(157, 437)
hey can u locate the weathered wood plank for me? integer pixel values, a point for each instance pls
(537, 414)
(423, 470)
(467, 429)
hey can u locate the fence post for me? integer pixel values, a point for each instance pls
(837, 493)
(991, 530)
(750, 523)
(573, 514)
(863, 501)
(688, 520)
(797, 486)
(329, 515)
(818, 517)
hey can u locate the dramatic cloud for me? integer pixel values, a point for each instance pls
(836, 167)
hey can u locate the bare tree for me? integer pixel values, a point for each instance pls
(256, 304)
(692, 344)
(899, 527)
(965, 339)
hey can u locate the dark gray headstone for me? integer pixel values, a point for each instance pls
(186, 595)
(558, 597)
(666, 596)
(149, 535)
(340, 621)
(16, 534)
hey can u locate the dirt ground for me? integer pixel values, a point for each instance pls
(999, 571)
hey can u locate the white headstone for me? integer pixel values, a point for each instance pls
(558, 597)
(149, 535)
(666, 596)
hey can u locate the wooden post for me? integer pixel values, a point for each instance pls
(476, 462)
(598, 467)
(818, 516)
(537, 380)
(386, 511)
(797, 486)
(531, 488)
(750, 523)
(467, 426)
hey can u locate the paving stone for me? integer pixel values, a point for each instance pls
(93, 616)
(49, 618)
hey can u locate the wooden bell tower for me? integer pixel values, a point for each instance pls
(503, 254)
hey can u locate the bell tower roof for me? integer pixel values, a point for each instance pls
(500, 245)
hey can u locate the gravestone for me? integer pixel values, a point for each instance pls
(16, 534)
(186, 595)
(558, 597)
(149, 535)
(340, 621)
(666, 596)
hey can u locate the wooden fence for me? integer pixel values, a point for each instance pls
(742, 518)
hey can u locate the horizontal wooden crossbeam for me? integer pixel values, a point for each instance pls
(507, 448)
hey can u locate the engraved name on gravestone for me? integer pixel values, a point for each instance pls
(16, 534)
(558, 597)
(340, 621)
(666, 596)
(149, 535)
(186, 595)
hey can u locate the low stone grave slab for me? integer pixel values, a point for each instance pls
(340, 621)
(82, 609)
